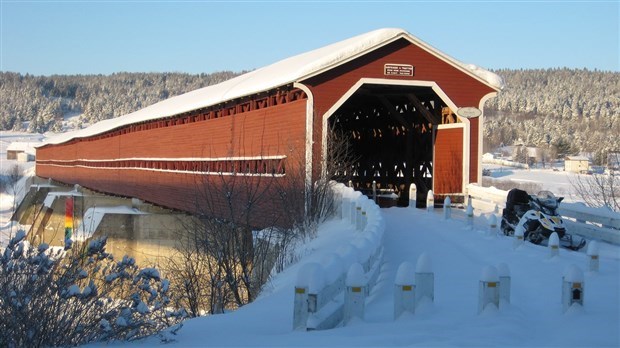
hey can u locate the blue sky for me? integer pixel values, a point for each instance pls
(102, 37)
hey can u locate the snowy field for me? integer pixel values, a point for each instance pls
(557, 181)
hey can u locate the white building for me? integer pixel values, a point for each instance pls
(576, 164)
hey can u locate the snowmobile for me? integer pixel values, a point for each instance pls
(538, 216)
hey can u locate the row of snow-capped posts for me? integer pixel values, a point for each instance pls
(321, 288)
(412, 286)
(353, 207)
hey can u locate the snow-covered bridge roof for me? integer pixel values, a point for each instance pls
(293, 69)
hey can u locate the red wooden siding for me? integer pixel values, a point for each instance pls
(272, 131)
(448, 163)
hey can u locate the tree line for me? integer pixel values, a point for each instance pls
(571, 110)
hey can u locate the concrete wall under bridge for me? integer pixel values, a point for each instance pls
(143, 231)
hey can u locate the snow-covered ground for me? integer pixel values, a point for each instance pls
(533, 318)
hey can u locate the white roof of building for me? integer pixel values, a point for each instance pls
(577, 158)
(293, 69)
(27, 147)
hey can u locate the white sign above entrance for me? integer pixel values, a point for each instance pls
(469, 112)
(398, 70)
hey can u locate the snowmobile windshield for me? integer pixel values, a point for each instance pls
(548, 200)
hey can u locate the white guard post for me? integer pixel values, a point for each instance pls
(518, 239)
(593, 256)
(573, 287)
(424, 279)
(469, 211)
(488, 292)
(430, 201)
(504, 282)
(352, 211)
(305, 277)
(492, 224)
(300, 308)
(554, 245)
(374, 191)
(364, 220)
(447, 208)
(355, 295)
(358, 217)
(413, 192)
(404, 290)
(344, 208)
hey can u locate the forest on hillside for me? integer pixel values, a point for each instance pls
(569, 111)
(39, 103)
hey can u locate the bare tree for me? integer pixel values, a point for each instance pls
(599, 190)
(224, 259)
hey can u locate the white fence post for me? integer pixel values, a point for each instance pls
(573, 287)
(413, 192)
(504, 282)
(424, 279)
(447, 208)
(554, 245)
(593, 256)
(404, 290)
(488, 290)
(355, 295)
(430, 201)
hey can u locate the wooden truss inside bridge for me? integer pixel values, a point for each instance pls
(391, 134)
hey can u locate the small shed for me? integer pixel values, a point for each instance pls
(21, 151)
(576, 164)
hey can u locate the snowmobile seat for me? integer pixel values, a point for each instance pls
(517, 201)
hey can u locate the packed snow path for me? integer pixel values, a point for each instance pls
(533, 318)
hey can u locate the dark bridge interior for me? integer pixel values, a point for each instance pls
(390, 134)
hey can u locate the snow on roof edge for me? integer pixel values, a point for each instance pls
(278, 74)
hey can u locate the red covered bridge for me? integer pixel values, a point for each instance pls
(412, 115)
